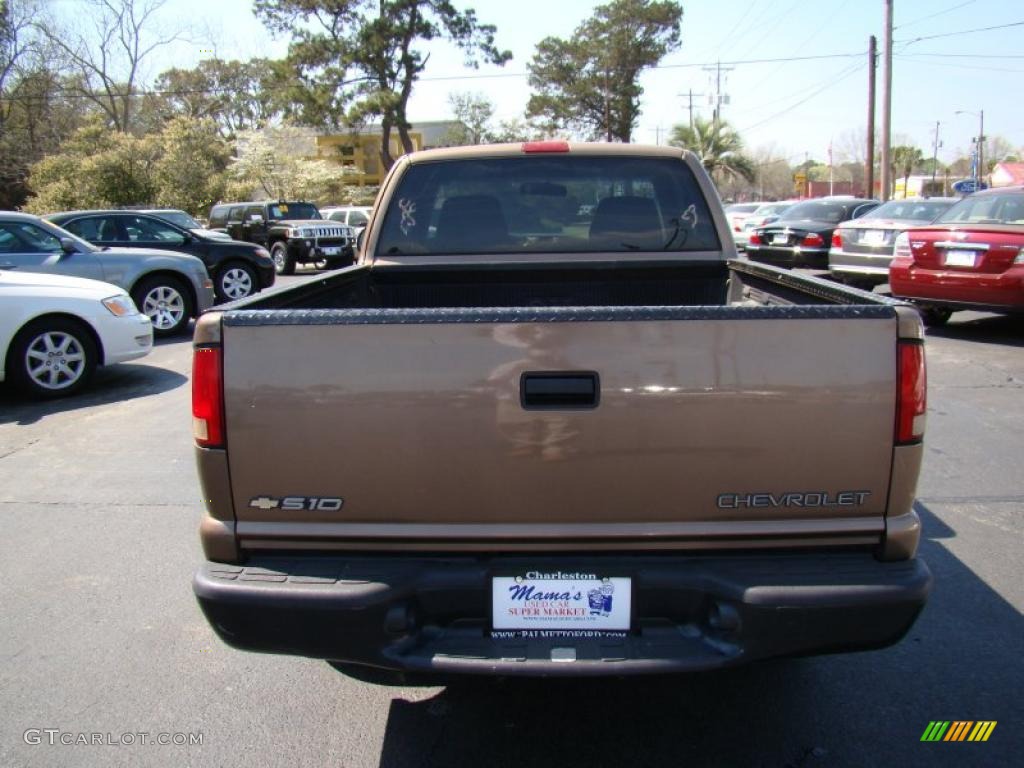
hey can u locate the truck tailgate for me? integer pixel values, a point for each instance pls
(709, 426)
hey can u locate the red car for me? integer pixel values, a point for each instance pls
(971, 257)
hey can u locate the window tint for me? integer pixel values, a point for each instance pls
(819, 211)
(987, 209)
(540, 204)
(293, 211)
(236, 213)
(89, 229)
(337, 216)
(357, 218)
(180, 218)
(918, 210)
(253, 210)
(22, 237)
(8, 242)
(218, 216)
(146, 230)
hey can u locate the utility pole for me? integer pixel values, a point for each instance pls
(720, 98)
(981, 149)
(887, 102)
(935, 154)
(690, 96)
(869, 170)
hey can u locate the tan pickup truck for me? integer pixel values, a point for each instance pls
(549, 424)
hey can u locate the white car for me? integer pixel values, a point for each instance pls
(55, 330)
(355, 216)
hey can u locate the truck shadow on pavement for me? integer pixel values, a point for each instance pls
(113, 384)
(960, 661)
(993, 329)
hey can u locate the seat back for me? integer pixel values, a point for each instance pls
(469, 222)
(627, 222)
(107, 231)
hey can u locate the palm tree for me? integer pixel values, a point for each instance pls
(904, 160)
(718, 147)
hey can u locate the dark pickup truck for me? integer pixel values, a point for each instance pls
(515, 441)
(293, 232)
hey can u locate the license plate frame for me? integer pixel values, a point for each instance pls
(960, 257)
(780, 238)
(873, 237)
(533, 603)
(331, 250)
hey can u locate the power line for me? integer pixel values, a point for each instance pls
(77, 93)
(961, 32)
(831, 82)
(911, 59)
(932, 16)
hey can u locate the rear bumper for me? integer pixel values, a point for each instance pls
(863, 265)
(956, 289)
(432, 614)
(791, 256)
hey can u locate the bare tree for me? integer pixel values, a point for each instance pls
(17, 43)
(107, 56)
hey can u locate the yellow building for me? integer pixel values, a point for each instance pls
(362, 150)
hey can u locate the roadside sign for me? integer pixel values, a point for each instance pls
(967, 186)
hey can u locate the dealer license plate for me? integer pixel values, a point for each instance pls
(873, 237)
(535, 601)
(960, 258)
(780, 238)
(333, 251)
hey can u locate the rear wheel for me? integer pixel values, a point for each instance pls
(283, 263)
(236, 281)
(166, 301)
(933, 317)
(52, 357)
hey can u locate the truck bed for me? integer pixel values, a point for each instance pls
(567, 406)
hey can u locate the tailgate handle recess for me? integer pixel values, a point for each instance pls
(559, 390)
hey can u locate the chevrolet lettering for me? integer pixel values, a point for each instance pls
(804, 499)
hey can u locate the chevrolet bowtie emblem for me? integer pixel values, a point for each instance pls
(264, 502)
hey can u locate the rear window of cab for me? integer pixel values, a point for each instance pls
(547, 204)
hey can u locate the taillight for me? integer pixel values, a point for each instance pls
(911, 388)
(207, 398)
(837, 239)
(813, 240)
(531, 147)
(901, 247)
(755, 239)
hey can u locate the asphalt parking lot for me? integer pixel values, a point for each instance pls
(101, 635)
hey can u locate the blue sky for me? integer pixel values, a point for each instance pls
(794, 107)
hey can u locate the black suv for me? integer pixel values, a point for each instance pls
(237, 269)
(294, 232)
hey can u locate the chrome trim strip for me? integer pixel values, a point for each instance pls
(963, 245)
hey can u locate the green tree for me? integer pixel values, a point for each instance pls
(96, 168)
(99, 167)
(473, 113)
(904, 159)
(189, 172)
(366, 52)
(590, 83)
(718, 147)
(238, 95)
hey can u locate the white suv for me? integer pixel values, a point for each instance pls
(354, 216)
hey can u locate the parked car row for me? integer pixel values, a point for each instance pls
(944, 254)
